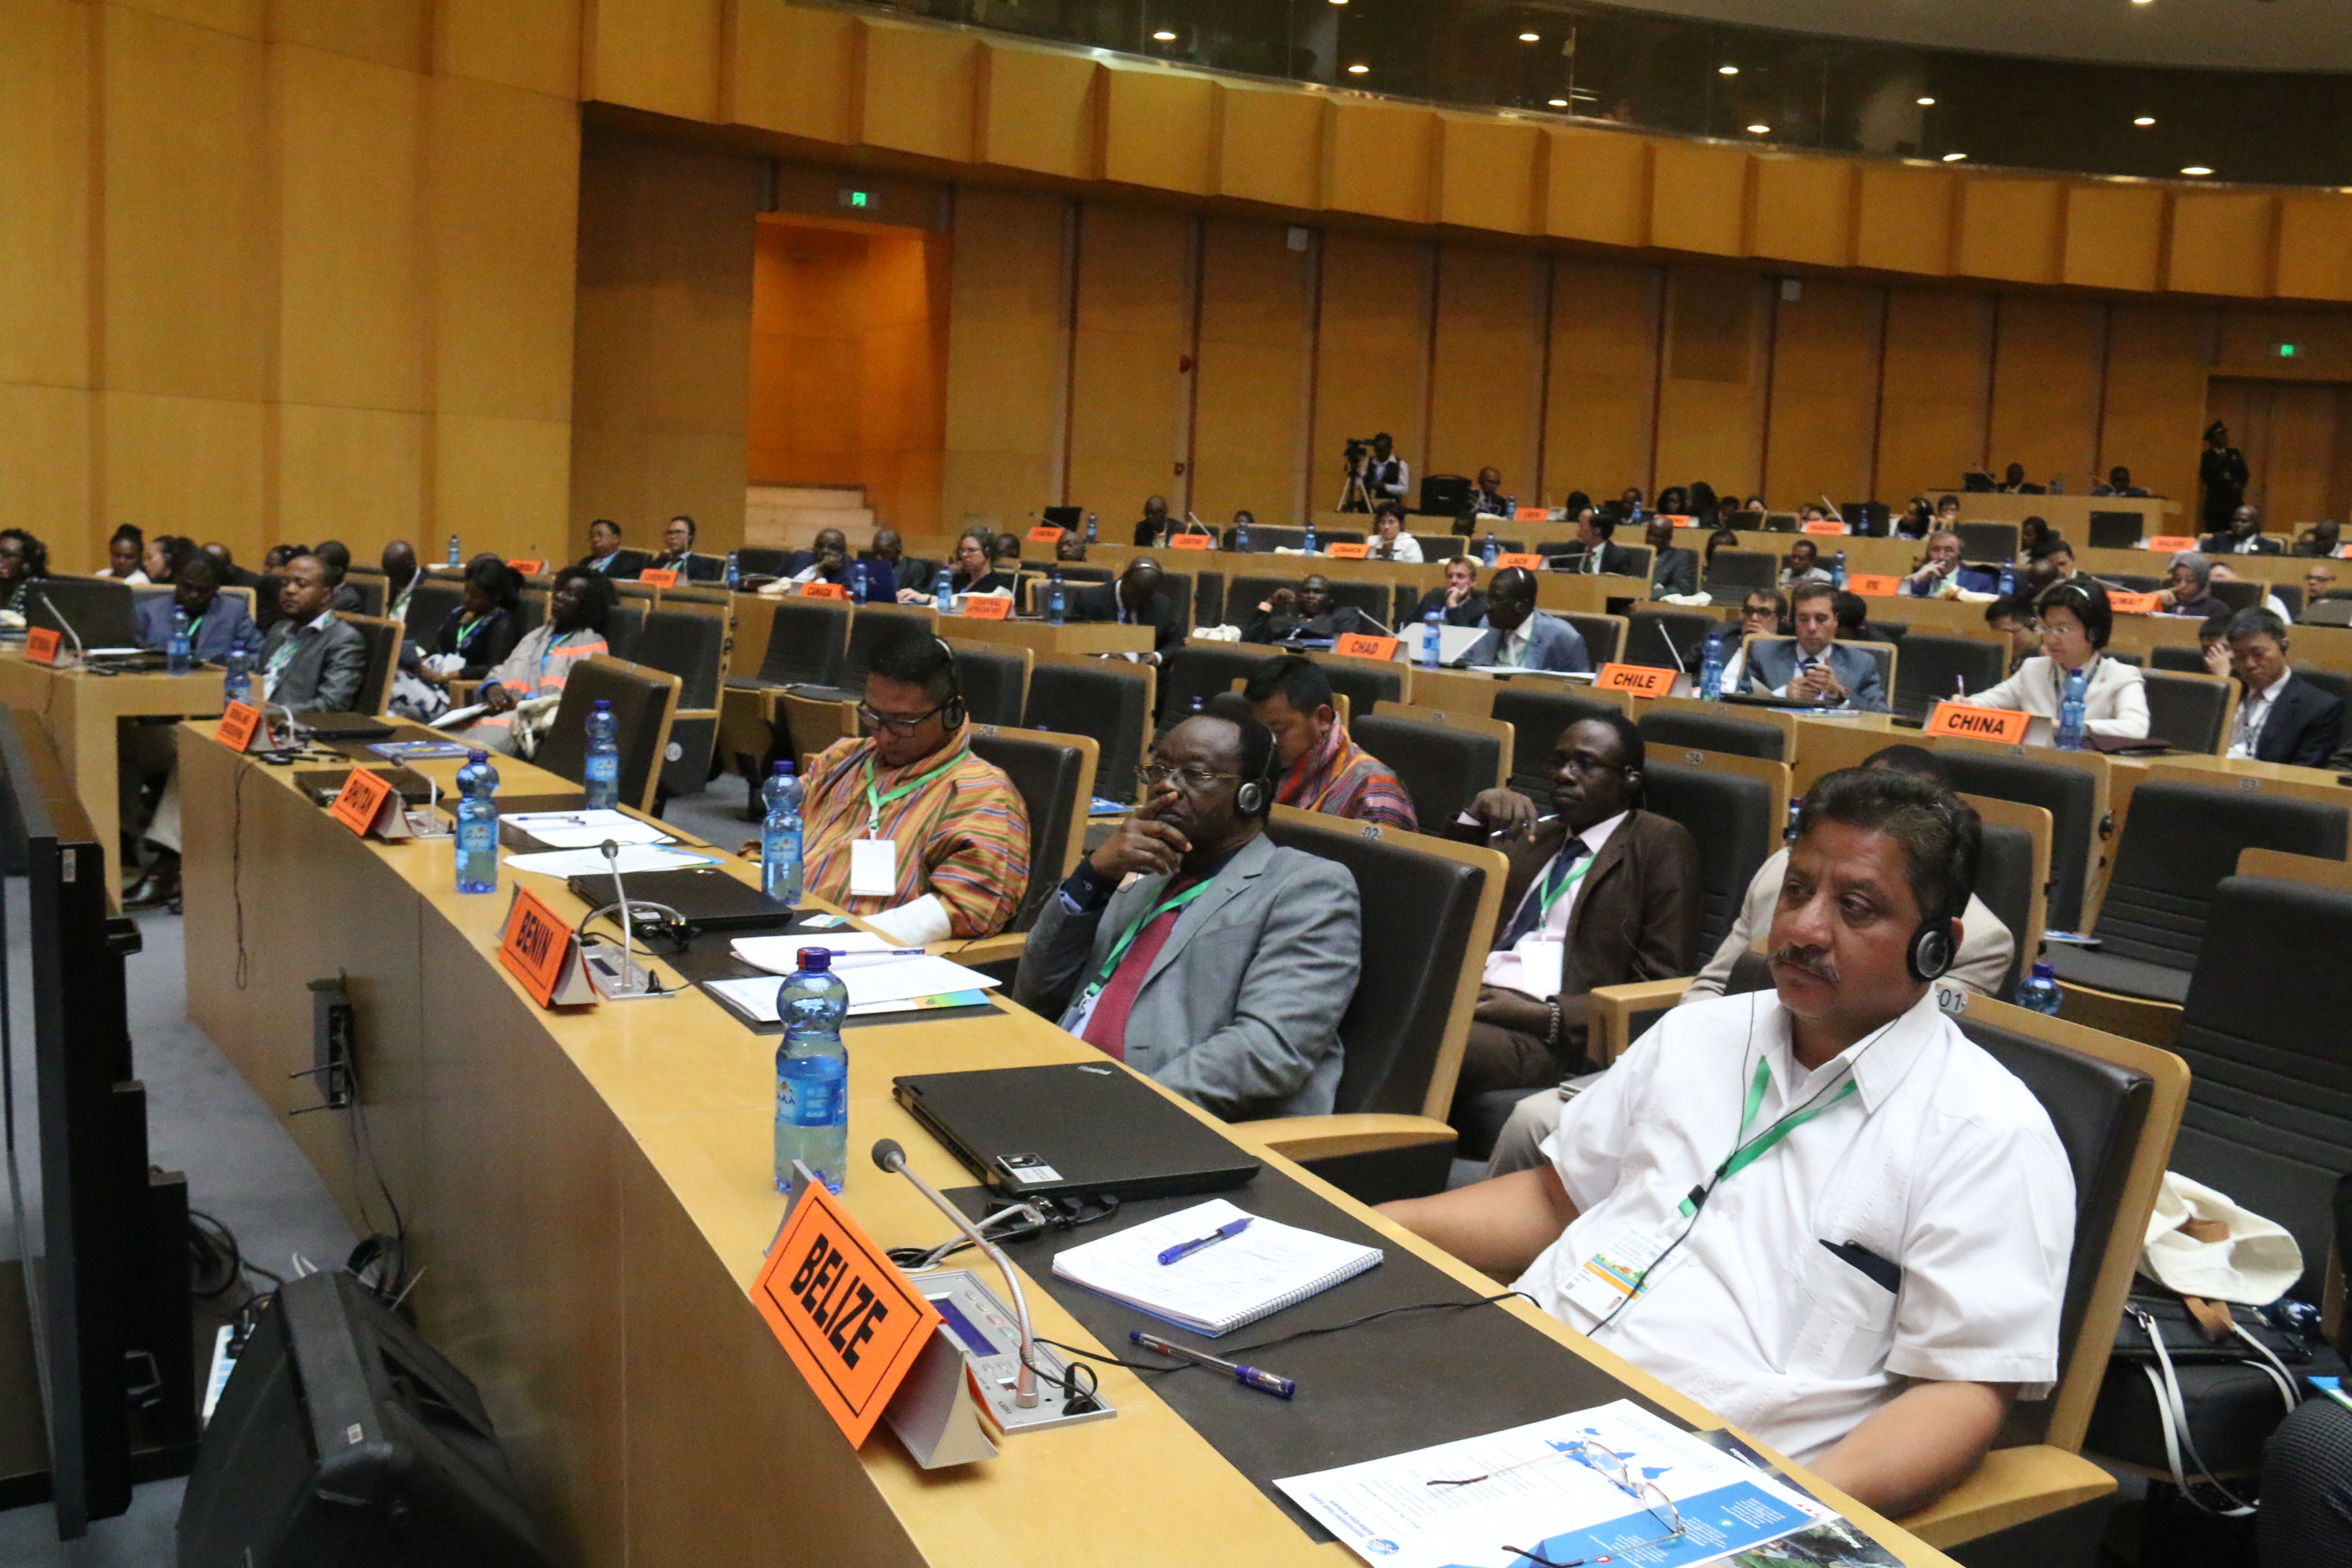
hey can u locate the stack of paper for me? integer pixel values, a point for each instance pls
(633, 858)
(584, 829)
(1216, 1290)
(890, 984)
(781, 954)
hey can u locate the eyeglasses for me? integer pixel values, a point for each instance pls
(1572, 763)
(902, 728)
(1605, 1463)
(1192, 781)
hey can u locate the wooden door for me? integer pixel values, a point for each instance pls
(2299, 453)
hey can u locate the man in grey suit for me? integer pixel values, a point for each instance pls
(1520, 636)
(1221, 970)
(1672, 569)
(312, 662)
(216, 625)
(1816, 668)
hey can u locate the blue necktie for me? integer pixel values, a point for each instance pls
(1531, 908)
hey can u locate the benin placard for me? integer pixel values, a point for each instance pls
(364, 801)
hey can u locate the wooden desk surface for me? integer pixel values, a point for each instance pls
(591, 1193)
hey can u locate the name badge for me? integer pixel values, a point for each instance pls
(1627, 1266)
(873, 868)
(1075, 1021)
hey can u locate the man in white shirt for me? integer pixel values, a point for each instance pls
(1821, 1211)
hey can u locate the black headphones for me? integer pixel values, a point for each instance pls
(952, 712)
(1931, 953)
(1255, 798)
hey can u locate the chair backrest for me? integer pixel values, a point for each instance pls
(2179, 841)
(1714, 732)
(1537, 716)
(1648, 633)
(1207, 600)
(2335, 682)
(1428, 910)
(806, 642)
(1736, 574)
(530, 611)
(1199, 670)
(1248, 593)
(812, 724)
(623, 621)
(370, 586)
(754, 562)
(2238, 593)
(429, 603)
(1362, 681)
(2010, 871)
(869, 628)
(2192, 712)
(1602, 635)
(1736, 818)
(1055, 776)
(1107, 699)
(2270, 1102)
(995, 680)
(1936, 665)
(2291, 596)
(384, 639)
(690, 644)
(2179, 657)
(1988, 540)
(1442, 768)
(644, 700)
(2071, 796)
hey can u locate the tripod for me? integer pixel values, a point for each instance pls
(1353, 496)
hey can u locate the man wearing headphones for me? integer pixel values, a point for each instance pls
(905, 826)
(1821, 1211)
(1193, 948)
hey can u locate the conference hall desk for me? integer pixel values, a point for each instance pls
(2070, 515)
(590, 1195)
(81, 710)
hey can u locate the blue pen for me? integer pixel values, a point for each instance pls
(1266, 1382)
(1222, 1233)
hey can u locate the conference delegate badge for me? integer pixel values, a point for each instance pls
(986, 606)
(824, 591)
(368, 804)
(1356, 644)
(1188, 542)
(1825, 525)
(1346, 549)
(1638, 679)
(530, 566)
(849, 1318)
(1872, 586)
(2005, 725)
(542, 951)
(659, 576)
(1044, 533)
(239, 722)
(1524, 559)
(41, 644)
(2133, 603)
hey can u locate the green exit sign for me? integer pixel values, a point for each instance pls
(856, 198)
(2290, 350)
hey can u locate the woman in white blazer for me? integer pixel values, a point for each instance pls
(2076, 620)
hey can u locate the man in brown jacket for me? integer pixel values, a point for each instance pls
(1601, 893)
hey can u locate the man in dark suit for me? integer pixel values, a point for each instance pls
(2244, 536)
(1459, 603)
(2282, 717)
(1602, 893)
(677, 555)
(1672, 570)
(216, 625)
(335, 557)
(1594, 550)
(312, 662)
(1815, 667)
(1141, 597)
(606, 553)
(232, 575)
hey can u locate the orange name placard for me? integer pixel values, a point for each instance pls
(1356, 644)
(1344, 551)
(2172, 544)
(986, 607)
(1188, 542)
(2133, 603)
(1678, 519)
(360, 800)
(240, 721)
(824, 591)
(2002, 724)
(528, 566)
(536, 945)
(1522, 558)
(659, 576)
(1825, 525)
(1044, 533)
(842, 1311)
(1872, 586)
(1637, 678)
(41, 644)
(1532, 514)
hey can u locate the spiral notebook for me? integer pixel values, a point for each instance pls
(1218, 1289)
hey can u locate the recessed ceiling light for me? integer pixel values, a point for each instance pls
(2145, 119)
(1164, 35)
(1926, 103)
(2197, 171)
(1955, 157)
(1759, 130)
(1557, 102)
(1726, 71)
(1529, 37)
(1357, 69)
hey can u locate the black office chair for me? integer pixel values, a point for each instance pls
(2238, 593)
(383, 638)
(371, 588)
(644, 703)
(2005, 886)
(1714, 732)
(1057, 781)
(1733, 820)
(1935, 667)
(1889, 632)
(1600, 634)
(1988, 542)
(1442, 769)
(1249, 593)
(530, 611)
(2188, 710)
(1207, 599)
(754, 562)
(1649, 633)
(1733, 575)
(1191, 675)
(2291, 596)
(2335, 682)
(623, 621)
(429, 603)
(1110, 701)
(1537, 716)
(690, 644)
(2071, 798)
(807, 643)
(1421, 930)
(869, 628)
(1363, 682)
(2179, 840)
(2175, 658)
(994, 682)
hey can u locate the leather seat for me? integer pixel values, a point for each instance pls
(2188, 710)
(1248, 593)
(2005, 886)
(1714, 732)
(644, 703)
(1197, 671)
(1442, 769)
(994, 682)
(2069, 795)
(1111, 702)
(1648, 633)
(691, 644)
(1935, 667)
(1363, 682)
(1539, 714)
(622, 623)
(1266, 538)
(1056, 781)
(429, 603)
(807, 643)
(751, 560)
(1732, 817)
(370, 586)
(2179, 659)
(1600, 634)
(383, 638)
(1735, 573)
(870, 626)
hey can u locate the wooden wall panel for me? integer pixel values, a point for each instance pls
(798, 70)
(1130, 400)
(1256, 359)
(1824, 393)
(917, 94)
(1160, 129)
(1486, 375)
(2157, 360)
(1598, 424)
(2248, 344)
(1711, 401)
(1371, 347)
(533, 44)
(808, 318)
(657, 54)
(503, 484)
(187, 465)
(1904, 221)
(1936, 382)
(2114, 237)
(349, 474)
(904, 403)
(2222, 243)
(1698, 199)
(1596, 185)
(45, 469)
(2048, 360)
(44, 167)
(2010, 228)
(387, 32)
(1486, 173)
(2315, 246)
(1804, 210)
(1269, 145)
(1379, 159)
(1037, 111)
(1008, 354)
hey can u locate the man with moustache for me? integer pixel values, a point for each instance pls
(1822, 1211)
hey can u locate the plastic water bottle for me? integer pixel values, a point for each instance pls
(1837, 570)
(2039, 991)
(2008, 578)
(858, 582)
(1637, 512)
(779, 835)
(237, 686)
(477, 824)
(1431, 639)
(812, 1074)
(1710, 671)
(1090, 528)
(734, 573)
(603, 784)
(180, 651)
(1058, 602)
(1310, 536)
(1796, 809)
(946, 601)
(2071, 708)
(1241, 536)
(453, 550)
(1490, 549)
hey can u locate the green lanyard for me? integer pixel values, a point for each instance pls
(466, 632)
(1118, 949)
(1544, 901)
(876, 801)
(1752, 1150)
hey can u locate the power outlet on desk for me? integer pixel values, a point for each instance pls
(334, 1047)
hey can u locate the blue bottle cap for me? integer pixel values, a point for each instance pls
(815, 960)
(603, 705)
(477, 755)
(785, 768)
(2041, 970)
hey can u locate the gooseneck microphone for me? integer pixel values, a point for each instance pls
(892, 1158)
(81, 654)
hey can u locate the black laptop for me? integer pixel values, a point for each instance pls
(1078, 1129)
(705, 896)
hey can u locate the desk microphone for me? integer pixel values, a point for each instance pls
(612, 853)
(890, 1157)
(81, 656)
